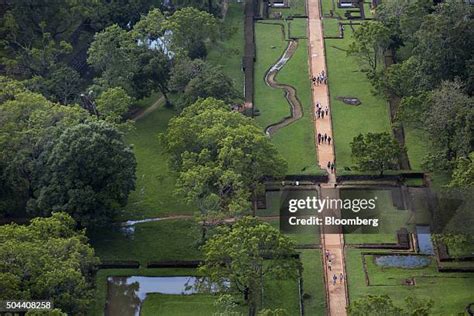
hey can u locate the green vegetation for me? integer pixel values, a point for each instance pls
(297, 28)
(153, 196)
(152, 241)
(331, 27)
(235, 258)
(348, 81)
(297, 8)
(296, 141)
(390, 217)
(47, 258)
(452, 292)
(173, 305)
(228, 53)
(313, 283)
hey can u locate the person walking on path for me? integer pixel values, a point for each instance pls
(329, 165)
(327, 253)
(325, 137)
(333, 167)
(322, 115)
(341, 277)
(327, 111)
(329, 140)
(319, 138)
(334, 279)
(330, 265)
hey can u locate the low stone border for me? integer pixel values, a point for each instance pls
(115, 264)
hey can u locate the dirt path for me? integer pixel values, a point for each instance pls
(296, 109)
(148, 110)
(333, 243)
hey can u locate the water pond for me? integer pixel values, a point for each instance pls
(397, 261)
(126, 294)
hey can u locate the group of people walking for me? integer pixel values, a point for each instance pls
(331, 166)
(319, 112)
(329, 259)
(324, 139)
(321, 78)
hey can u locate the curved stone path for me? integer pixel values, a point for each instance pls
(296, 109)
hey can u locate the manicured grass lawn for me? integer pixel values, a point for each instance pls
(282, 294)
(152, 241)
(229, 52)
(154, 193)
(302, 235)
(346, 79)
(175, 305)
(417, 146)
(313, 283)
(296, 141)
(297, 7)
(451, 292)
(270, 46)
(331, 27)
(297, 28)
(390, 218)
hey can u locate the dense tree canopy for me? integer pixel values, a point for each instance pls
(243, 255)
(197, 79)
(88, 171)
(449, 122)
(375, 151)
(220, 153)
(28, 122)
(190, 29)
(47, 260)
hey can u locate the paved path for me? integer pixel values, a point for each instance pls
(334, 243)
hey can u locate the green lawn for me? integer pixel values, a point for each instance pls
(229, 52)
(297, 7)
(177, 305)
(390, 218)
(346, 79)
(313, 283)
(417, 146)
(152, 241)
(451, 292)
(298, 28)
(296, 141)
(154, 193)
(331, 27)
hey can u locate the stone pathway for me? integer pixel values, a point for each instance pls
(333, 243)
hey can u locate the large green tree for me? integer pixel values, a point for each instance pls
(113, 103)
(241, 256)
(87, 172)
(449, 123)
(190, 29)
(126, 59)
(47, 260)
(226, 151)
(371, 40)
(28, 122)
(375, 152)
(194, 79)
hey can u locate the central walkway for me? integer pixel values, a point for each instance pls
(332, 244)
